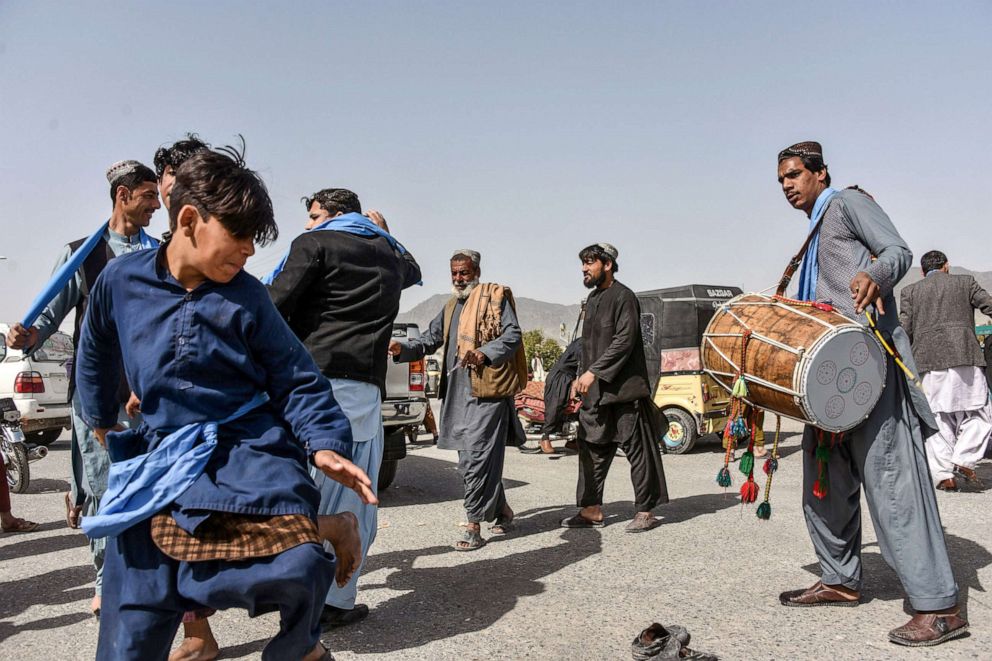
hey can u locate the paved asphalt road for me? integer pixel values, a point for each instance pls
(543, 592)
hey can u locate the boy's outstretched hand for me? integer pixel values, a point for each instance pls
(341, 470)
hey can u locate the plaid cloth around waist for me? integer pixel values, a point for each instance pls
(227, 536)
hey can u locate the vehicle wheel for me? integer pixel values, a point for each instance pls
(681, 434)
(18, 470)
(387, 473)
(46, 437)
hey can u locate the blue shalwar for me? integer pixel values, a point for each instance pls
(197, 356)
(362, 403)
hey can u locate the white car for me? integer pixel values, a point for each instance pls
(39, 386)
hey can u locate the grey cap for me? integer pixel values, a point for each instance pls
(465, 253)
(120, 169)
(609, 249)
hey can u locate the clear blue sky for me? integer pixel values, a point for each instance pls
(524, 130)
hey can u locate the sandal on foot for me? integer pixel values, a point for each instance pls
(72, 513)
(470, 541)
(20, 525)
(501, 526)
(642, 523)
(579, 521)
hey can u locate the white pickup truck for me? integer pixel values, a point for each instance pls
(39, 386)
(404, 407)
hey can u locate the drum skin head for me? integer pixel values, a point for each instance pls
(843, 377)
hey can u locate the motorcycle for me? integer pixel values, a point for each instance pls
(529, 404)
(17, 457)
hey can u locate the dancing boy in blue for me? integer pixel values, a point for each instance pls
(210, 503)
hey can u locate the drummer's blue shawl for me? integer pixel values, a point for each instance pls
(810, 270)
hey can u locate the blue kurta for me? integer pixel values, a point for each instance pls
(198, 356)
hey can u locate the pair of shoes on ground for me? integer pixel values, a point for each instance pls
(332, 617)
(642, 522)
(922, 630)
(661, 642)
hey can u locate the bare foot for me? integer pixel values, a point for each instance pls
(198, 643)
(341, 530)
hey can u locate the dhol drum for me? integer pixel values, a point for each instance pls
(800, 360)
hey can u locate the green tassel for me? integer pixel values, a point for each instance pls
(740, 388)
(764, 510)
(723, 477)
(747, 462)
(823, 453)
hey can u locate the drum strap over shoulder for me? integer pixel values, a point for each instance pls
(794, 263)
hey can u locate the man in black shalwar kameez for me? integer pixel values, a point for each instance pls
(617, 410)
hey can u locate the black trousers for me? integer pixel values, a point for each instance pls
(635, 432)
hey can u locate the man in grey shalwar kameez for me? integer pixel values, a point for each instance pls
(479, 427)
(855, 261)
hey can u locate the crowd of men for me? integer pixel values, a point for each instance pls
(227, 433)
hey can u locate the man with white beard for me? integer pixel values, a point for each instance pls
(483, 368)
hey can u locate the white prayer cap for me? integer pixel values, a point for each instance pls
(120, 169)
(465, 253)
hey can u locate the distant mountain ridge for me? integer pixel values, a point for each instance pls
(548, 317)
(532, 314)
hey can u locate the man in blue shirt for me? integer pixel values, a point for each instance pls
(210, 502)
(132, 190)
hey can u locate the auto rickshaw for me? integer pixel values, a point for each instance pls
(672, 324)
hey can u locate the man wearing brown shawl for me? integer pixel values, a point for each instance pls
(483, 368)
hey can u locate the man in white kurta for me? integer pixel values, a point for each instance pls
(938, 314)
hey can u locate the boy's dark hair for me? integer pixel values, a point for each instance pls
(334, 200)
(178, 153)
(139, 175)
(596, 251)
(219, 184)
(933, 261)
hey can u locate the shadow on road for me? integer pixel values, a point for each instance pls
(881, 582)
(47, 485)
(32, 546)
(444, 483)
(468, 597)
(61, 586)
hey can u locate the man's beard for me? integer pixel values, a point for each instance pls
(462, 294)
(592, 283)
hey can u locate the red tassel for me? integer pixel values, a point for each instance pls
(820, 489)
(749, 491)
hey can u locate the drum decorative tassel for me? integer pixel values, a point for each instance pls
(771, 465)
(736, 428)
(821, 487)
(749, 490)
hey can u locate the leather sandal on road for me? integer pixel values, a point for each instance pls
(20, 525)
(579, 521)
(929, 629)
(470, 541)
(502, 526)
(818, 595)
(642, 522)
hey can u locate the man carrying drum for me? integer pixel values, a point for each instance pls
(854, 259)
